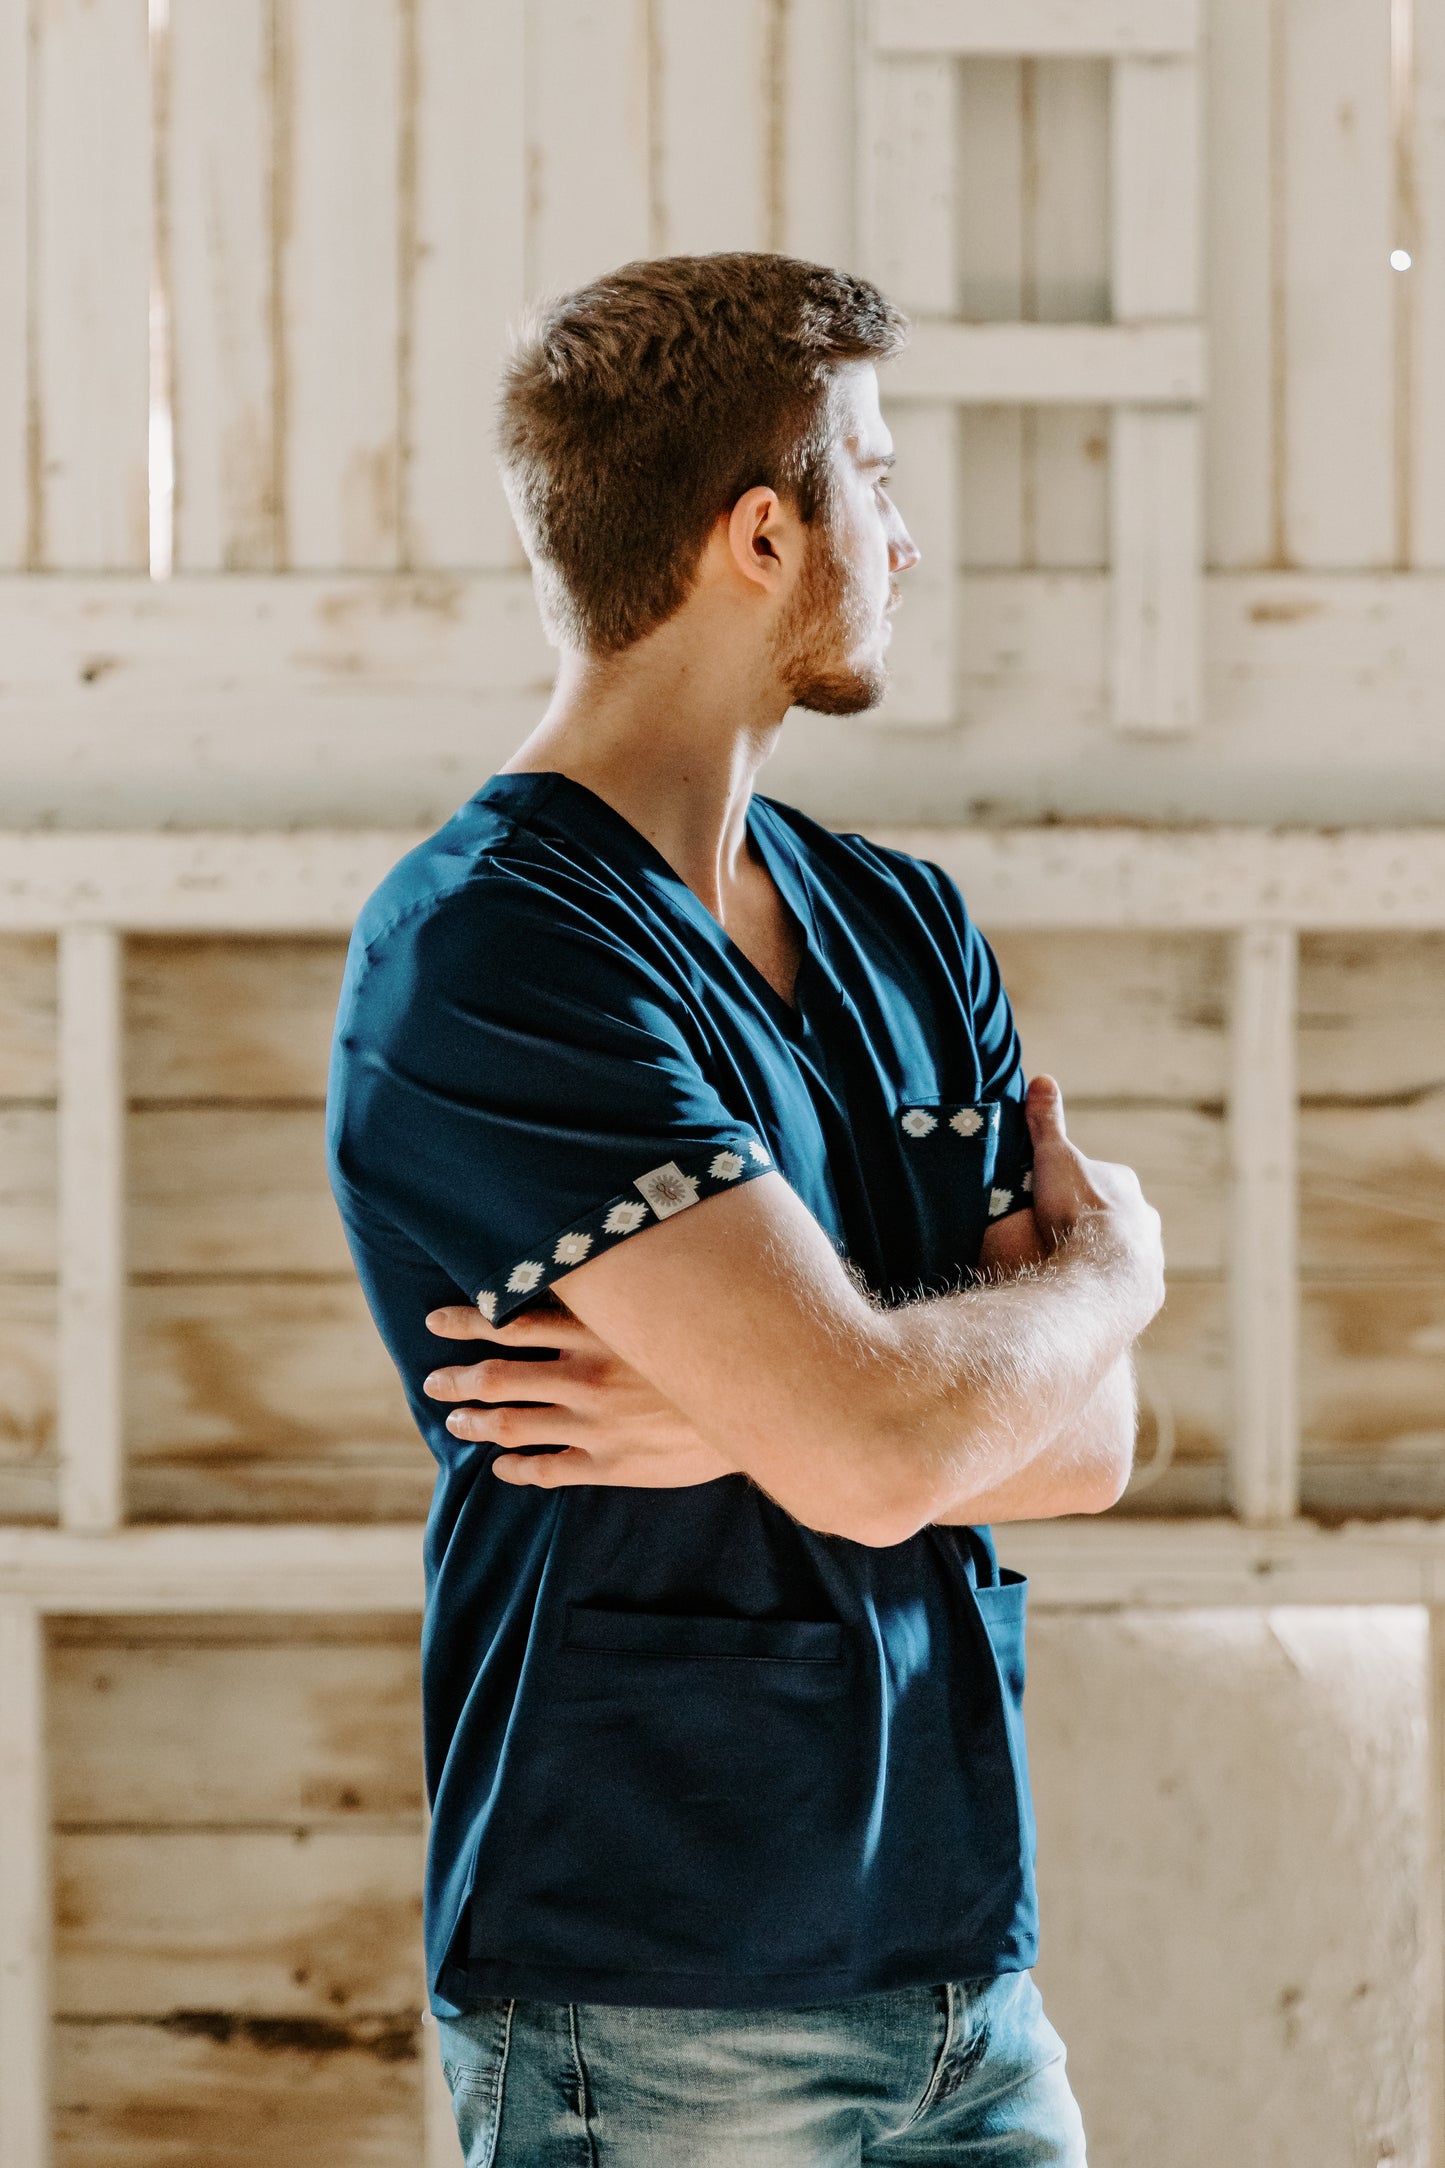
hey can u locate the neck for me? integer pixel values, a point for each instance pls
(671, 734)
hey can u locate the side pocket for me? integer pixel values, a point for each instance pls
(473, 2050)
(1003, 1608)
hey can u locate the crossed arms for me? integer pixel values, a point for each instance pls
(733, 1340)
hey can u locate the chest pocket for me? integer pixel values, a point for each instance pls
(962, 1163)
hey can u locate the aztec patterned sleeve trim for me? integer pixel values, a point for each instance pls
(657, 1193)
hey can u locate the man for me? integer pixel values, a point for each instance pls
(643, 1075)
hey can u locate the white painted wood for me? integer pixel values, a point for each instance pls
(343, 309)
(996, 160)
(906, 218)
(1264, 1270)
(1338, 358)
(1036, 26)
(1191, 877)
(1156, 188)
(24, 1890)
(14, 282)
(1066, 203)
(1155, 521)
(1081, 1561)
(219, 187)
(468, 276)
(921, 666)
(92, 1212)
(1156, 600)
(1421, 220)
(817, 117)
(593, 85)
(221, 1567)
(1071, 364)
(907, 181)
(1245, 199)
(91, 178)
(715, 120)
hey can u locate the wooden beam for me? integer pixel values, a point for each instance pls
(1432, 1955)
(1050, 364)
(1035, 26)
(1264, 1262)
(216, 1567)
(1155, 469)
(1103, 1560)
(92, 1214)
(25, 1906)
(315, 880)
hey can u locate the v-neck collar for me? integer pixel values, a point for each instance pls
(769, 838)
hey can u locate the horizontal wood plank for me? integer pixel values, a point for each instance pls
(1034, 26)
(1050, 364)
(309, 1922)
(305, 1731)
(210, 2086)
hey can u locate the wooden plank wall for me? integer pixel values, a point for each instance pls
(326, 259)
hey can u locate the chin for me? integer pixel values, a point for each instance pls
(850, 690)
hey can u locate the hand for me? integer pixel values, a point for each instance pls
(613, 1426)
(1071, 1192)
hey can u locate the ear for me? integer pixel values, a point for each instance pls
(758, 531)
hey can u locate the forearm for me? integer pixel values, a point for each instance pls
(1082, 1468)
(986, 1378)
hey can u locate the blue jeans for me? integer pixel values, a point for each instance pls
(970, 2072)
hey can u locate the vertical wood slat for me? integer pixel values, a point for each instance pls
(1426, 213)
(1068, 212)
(1264, 1244)
(591, 91)
(1338, 302)
(906, 221)
(713, 103)
(995, 168)
(338, 139)
(1433, 1895)
(14, 278)
(1239, 449)
(92, 227)
(469, 276)
(816, 119)
(25, 1905)
(219, 208)
(92, 1207)
(1157, 594)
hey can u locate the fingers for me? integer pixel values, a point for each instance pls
(498, 1379)
(548, 1471)
(514, 1426)
(541, 1328)
(1044, 1107)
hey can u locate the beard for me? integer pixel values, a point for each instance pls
(828, 618)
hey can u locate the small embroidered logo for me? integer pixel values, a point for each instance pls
(667, 1189)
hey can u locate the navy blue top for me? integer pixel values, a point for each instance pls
(679, 1749)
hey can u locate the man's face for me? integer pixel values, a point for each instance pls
(833, 636)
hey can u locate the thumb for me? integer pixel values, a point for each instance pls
(1044, 1107)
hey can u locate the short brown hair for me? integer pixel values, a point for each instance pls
(636, 411)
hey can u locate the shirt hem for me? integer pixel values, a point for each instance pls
(500, 1977)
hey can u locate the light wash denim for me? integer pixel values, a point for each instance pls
(969, 2072)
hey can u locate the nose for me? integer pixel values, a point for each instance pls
(903, 551)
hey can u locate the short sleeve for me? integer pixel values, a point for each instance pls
(999, 1053)
(514, 1088)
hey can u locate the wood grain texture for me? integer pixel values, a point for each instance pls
(468, 275)
(223, 184)
(201, 2085)
(91, 175)
(1339, 498)
(297, 1923)
(15, 478)
(154, 1723)
(1245, 188)
(592, 91)
(27, 1017)
(25, 1891)
(342, 299)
